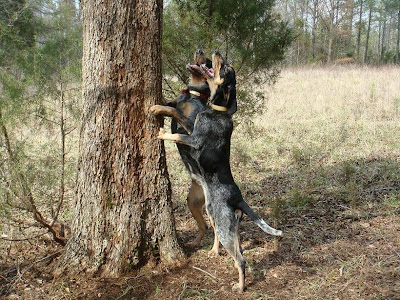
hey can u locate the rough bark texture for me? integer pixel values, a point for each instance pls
(123, 208)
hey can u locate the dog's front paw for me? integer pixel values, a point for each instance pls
(161, 134)
(156, 109)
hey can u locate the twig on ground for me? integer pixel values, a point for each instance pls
(205, 272)
(126, 291)
(22, 239)
(183, 291)
(21, 274)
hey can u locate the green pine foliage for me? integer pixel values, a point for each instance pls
(40, 66)
(248, 32)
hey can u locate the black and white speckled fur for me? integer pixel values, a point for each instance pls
(210, 141)
(183, 111)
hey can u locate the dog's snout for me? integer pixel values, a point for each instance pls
(199, 52)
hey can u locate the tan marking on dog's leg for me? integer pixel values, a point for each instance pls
(233, 249)
(163, 135)
(162, 110)
(195, 200)
(240, 285)
(215, 248)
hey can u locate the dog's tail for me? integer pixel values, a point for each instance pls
(243, 206)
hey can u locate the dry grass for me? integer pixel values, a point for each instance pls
(326, 129)
(323, 164)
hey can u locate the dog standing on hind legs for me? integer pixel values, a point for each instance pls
(210, 143)
(183, 112)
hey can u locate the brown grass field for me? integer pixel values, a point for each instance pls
(322, 163)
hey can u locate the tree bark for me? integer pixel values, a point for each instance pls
(314, 26)
(123, 212)
(368, 32)
(398, 38)
(381, 56)
(331, 30)
(359, 30)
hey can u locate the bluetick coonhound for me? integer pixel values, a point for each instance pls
(209, 142)
(183, 111)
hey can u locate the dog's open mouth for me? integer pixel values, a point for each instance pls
(194, 69)
(200, 71)
(208, 72)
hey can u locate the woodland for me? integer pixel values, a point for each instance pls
(81, 200)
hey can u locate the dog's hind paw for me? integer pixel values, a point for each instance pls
(238, 287)
(213, 252)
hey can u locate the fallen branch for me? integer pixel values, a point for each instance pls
(205, 272)
(21, 239)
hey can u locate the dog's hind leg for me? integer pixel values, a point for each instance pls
(195, 200)
(229, 236)
(215, 248)
(240, 264)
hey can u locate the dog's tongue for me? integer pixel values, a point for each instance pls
(196, 68)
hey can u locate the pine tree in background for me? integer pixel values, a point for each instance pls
(40, 80)
(249, 33)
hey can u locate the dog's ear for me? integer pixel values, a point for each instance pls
(232, 103)
(231, 90)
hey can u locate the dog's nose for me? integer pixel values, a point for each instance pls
(199, 51)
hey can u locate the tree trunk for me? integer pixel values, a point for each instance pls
(368, 32)
(398, 38)
(379, 39)
(351, 16)
(383, 39)
(359, 30)
(314, 26)
(123, 213)
(331, 30)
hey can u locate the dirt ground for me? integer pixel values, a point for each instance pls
(328, 251)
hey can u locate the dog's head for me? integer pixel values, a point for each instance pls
(198, 78)
(222, 84)
(201, 59)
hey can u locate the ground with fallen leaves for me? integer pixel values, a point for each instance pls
(327, 252)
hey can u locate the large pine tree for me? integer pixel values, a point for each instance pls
(123, 214)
